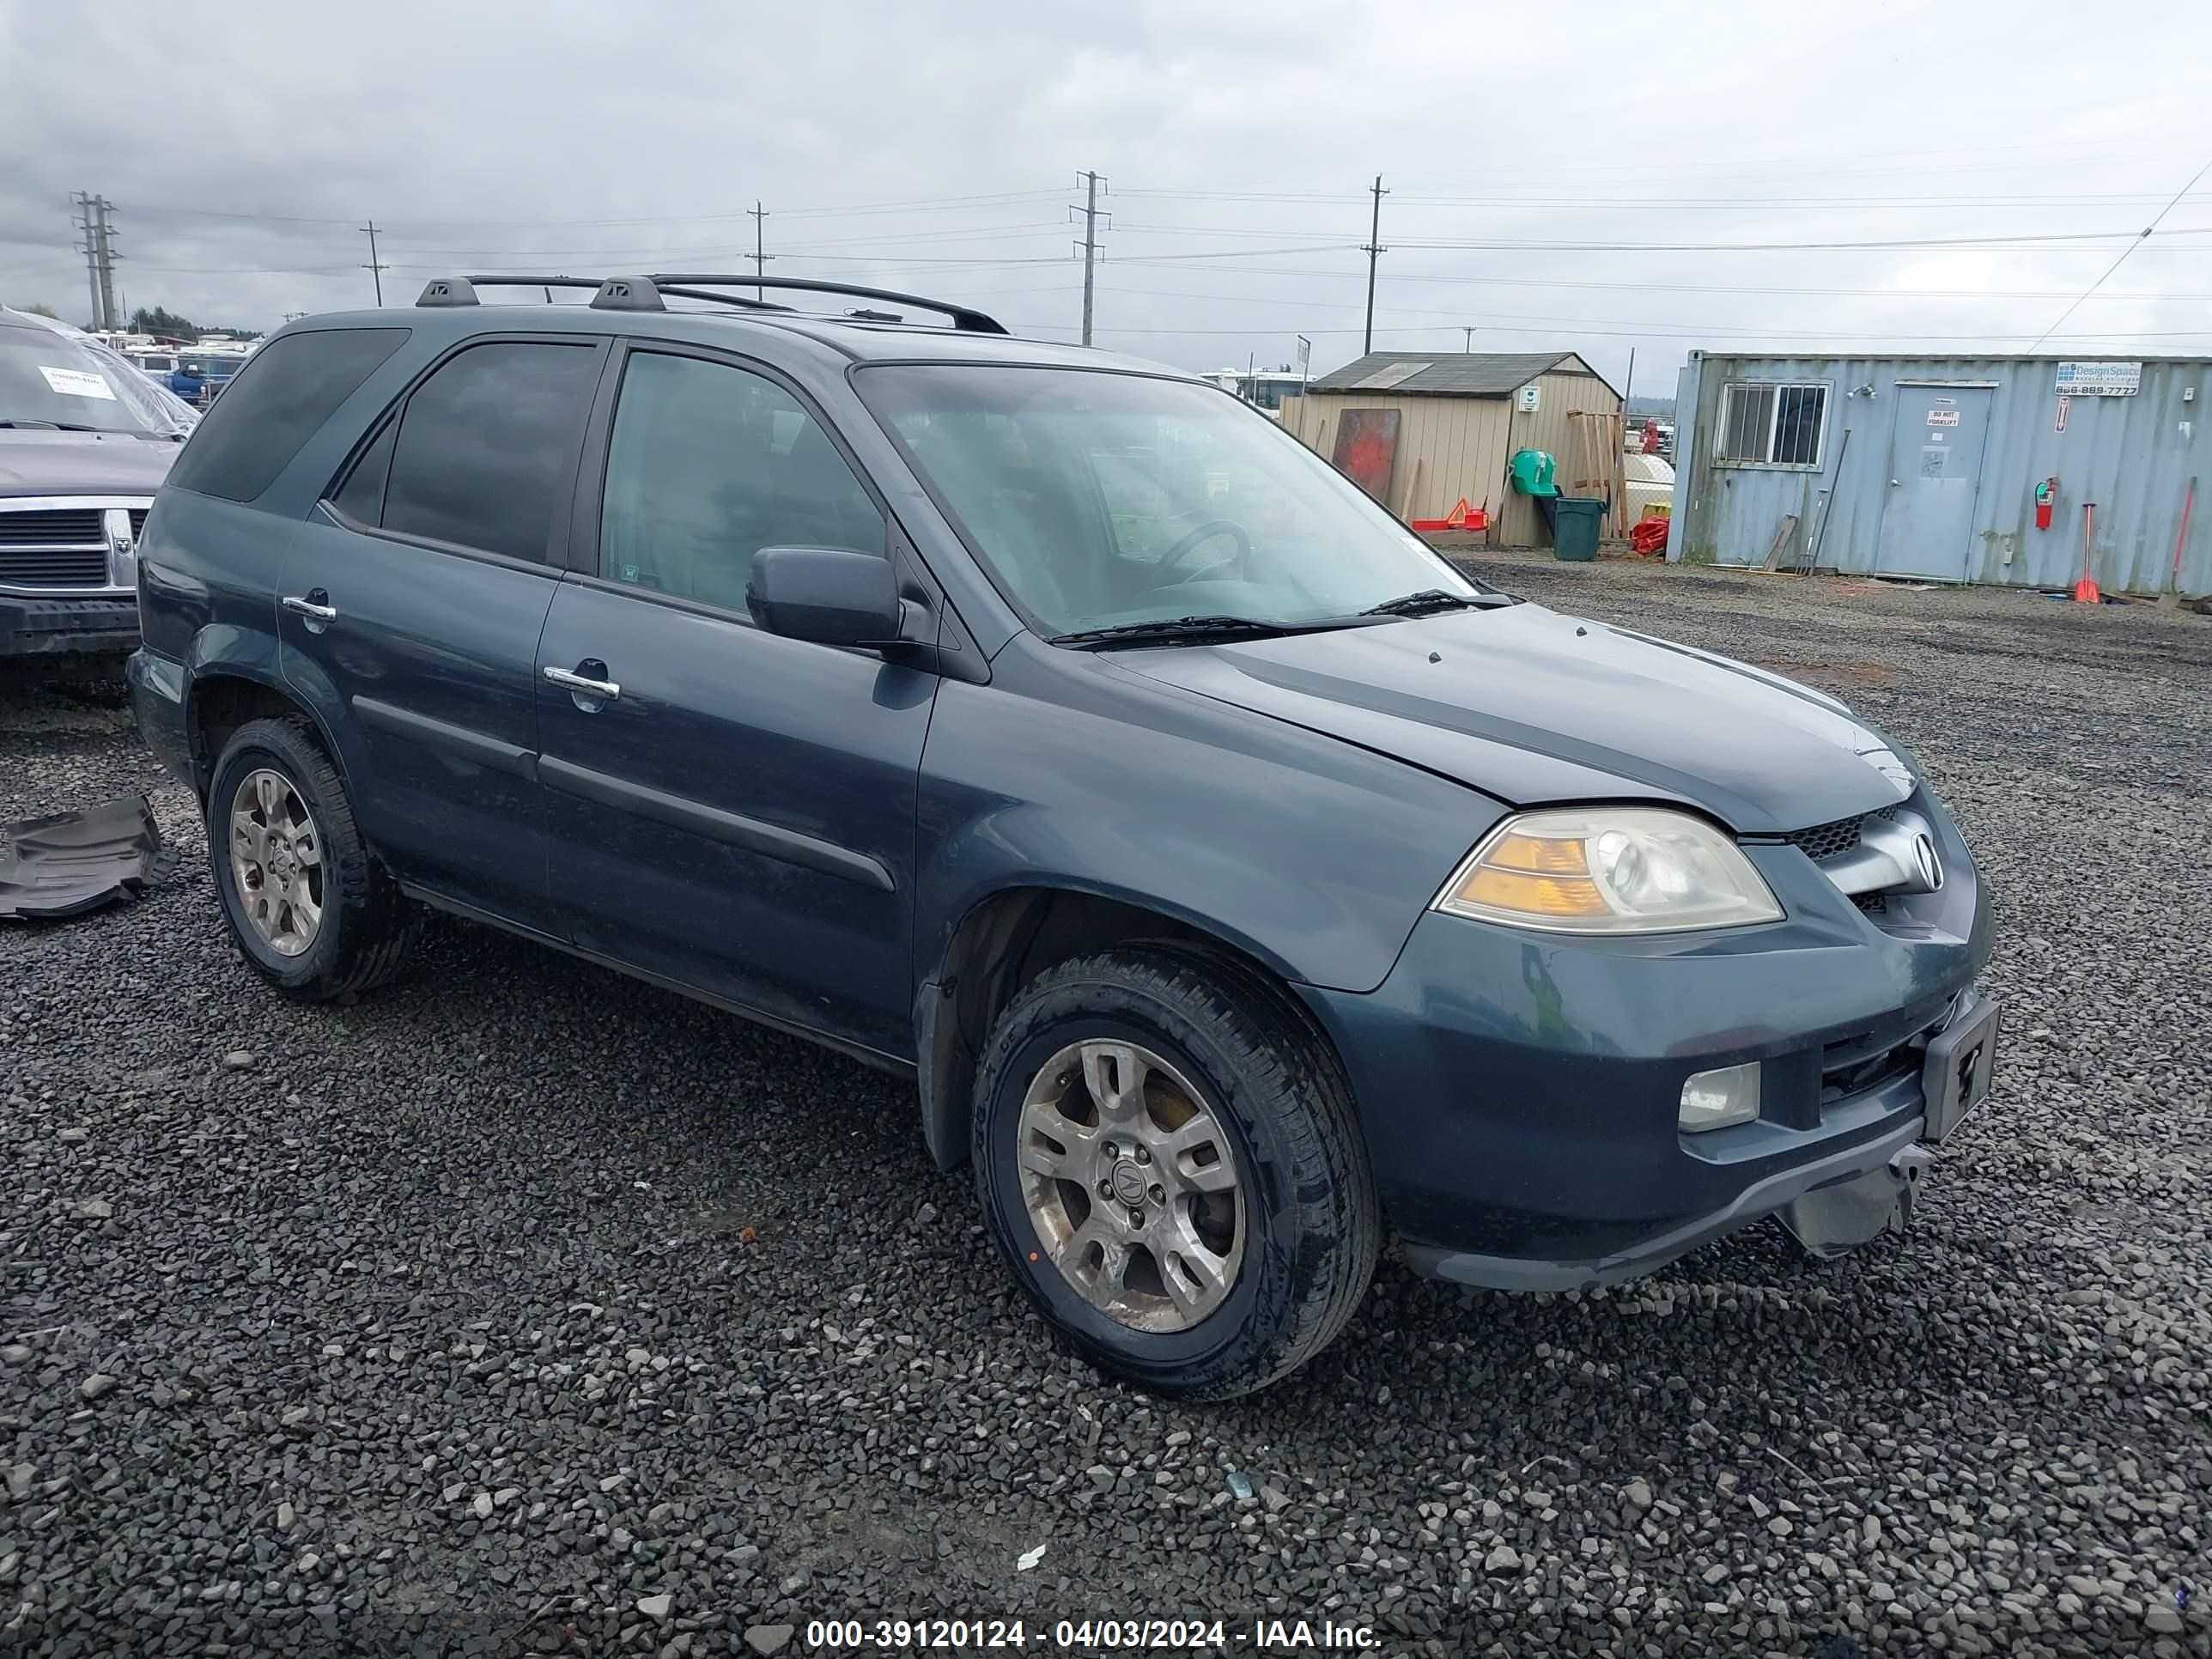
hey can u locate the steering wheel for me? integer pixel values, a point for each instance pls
(1173, 558)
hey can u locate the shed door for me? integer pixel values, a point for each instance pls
(1936, 441)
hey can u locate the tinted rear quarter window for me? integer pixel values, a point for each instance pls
(484, 443)
(282, 396)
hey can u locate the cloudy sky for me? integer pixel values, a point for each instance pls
(1659, 176)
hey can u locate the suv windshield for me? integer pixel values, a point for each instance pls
(49, 379)
(1097, 500)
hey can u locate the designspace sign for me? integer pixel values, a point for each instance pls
(2098, 379)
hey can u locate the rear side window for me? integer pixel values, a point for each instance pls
(484, 443)
(282, 396)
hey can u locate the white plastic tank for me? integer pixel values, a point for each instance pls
(1649, 480)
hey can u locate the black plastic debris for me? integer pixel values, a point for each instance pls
(72, 862)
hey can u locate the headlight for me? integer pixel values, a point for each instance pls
(1609, 870)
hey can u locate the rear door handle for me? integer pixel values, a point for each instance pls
(604, 690)
(308, 608)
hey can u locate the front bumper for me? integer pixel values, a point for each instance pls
(1519, 1091)
(38, 627)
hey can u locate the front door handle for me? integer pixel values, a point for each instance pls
(309, 607)
(583, 686)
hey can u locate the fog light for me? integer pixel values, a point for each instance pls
(1714, 1100)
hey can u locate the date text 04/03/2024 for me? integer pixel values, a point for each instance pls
(1091, 1635)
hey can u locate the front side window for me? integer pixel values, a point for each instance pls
(1096, 500)
(708, 465)
(1766, 423)
(484, 443)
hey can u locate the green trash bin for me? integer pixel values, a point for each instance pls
(1574, 525)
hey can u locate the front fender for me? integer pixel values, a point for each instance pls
(1309, 854)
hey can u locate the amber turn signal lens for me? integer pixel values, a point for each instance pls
(1549, 855)
(1534, 896)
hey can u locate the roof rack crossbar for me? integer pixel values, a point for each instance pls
(974, 322)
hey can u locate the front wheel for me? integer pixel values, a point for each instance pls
(1166, 1153)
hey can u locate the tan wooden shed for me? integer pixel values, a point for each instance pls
(1461, 416)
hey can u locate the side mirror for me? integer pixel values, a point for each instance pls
(825, 594)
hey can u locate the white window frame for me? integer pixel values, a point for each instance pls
(1729, 389)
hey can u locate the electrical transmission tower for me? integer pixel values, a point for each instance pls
(1088, 246)
(100, 255)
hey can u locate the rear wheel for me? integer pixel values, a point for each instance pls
(1166, 1153)
(313, 913)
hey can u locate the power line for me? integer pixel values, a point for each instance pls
(2126, 251)
(939, 202)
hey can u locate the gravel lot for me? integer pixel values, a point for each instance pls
(524, 1309)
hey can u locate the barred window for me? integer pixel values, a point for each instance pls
(1766, 423)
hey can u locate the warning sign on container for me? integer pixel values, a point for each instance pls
(1942, 418)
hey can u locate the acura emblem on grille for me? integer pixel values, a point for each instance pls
(1931, 867)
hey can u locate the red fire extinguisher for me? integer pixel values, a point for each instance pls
(2046, 496)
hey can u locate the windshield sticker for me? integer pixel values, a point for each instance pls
(78, 382)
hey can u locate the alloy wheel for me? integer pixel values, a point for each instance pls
(277, 862)
(1131, 1182)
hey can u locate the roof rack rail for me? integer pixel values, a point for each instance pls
(973, 322)
(645, 294)
(611, 294)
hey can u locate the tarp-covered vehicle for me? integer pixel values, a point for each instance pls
(85, 440)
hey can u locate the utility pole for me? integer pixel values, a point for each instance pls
(373, 267)
(758, 215)
(1467, 346)
(1374, 247)
(84, 222)
(105, 238)
(1089, 245)
(1628, 385)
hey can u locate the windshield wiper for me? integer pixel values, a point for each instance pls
(1436, 599)
(1178, 629)
(55, 426)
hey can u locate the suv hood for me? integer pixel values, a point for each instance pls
(1531, 706)
(34, 462)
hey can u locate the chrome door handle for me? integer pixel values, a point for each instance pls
(590, 688)
(307, 608)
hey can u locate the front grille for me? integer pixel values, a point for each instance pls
(1832, 840)
(137, 522)
(1826, 840)
(62, 548)
(52, 527)
(56, 567)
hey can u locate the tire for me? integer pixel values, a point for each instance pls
(365, 926)
(1305, 1227)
